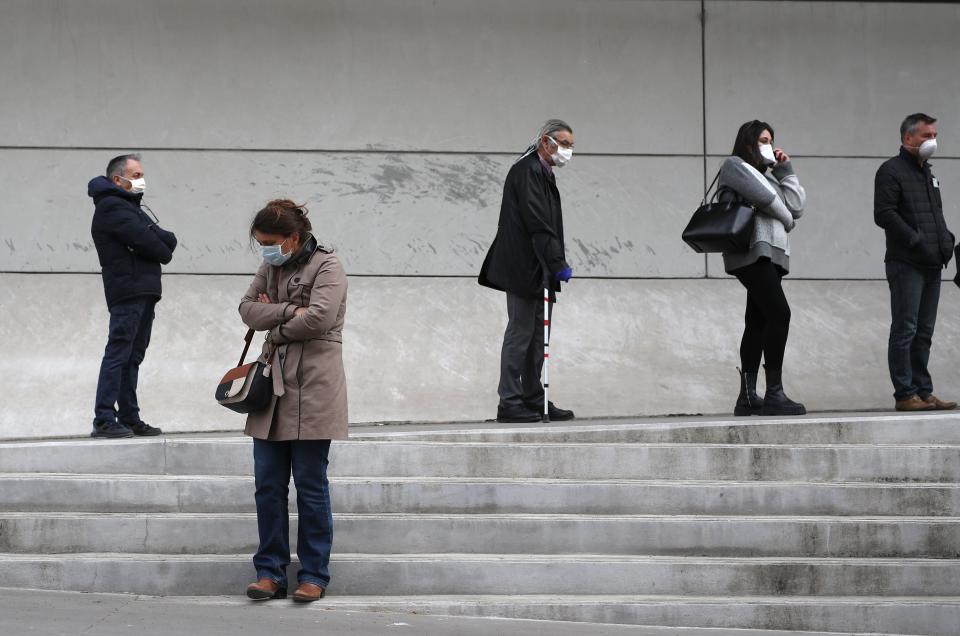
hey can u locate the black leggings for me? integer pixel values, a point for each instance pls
(767, 320)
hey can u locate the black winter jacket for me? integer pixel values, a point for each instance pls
(529, 236)
(129, 244)
(907, 205)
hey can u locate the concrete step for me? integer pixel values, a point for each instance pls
(415, 574)
(834, 615)
(50, 612)
(918, 428)
(741, 462)
(184, 533)
(38, 492)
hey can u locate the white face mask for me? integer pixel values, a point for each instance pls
(766, 151)
(137, 186)
(927, 148)
(562, 156)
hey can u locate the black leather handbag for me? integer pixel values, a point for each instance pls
(247, 388)
(720, 226)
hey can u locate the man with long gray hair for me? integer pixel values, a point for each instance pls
(131, 247)
(526, 257)
(907, 205)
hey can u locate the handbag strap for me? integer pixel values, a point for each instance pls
(248, 339)
(709, 188)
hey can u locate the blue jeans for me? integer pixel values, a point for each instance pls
(131, 323)
(272, 466)
(914, 296)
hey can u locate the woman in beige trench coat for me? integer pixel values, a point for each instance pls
(299, 297)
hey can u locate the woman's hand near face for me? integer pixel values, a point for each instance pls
(781, 156)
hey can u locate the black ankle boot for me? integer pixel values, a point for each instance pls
(748, 402)
(775, 402)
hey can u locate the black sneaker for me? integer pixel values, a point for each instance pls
(142, 429)
(517, 415)
(110, 430)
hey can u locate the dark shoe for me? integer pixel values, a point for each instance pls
(308, 593)
(142, 429)
(557, 414)
(914, 403)
(748, 402)
(775, 401)
(517, 415)
(110, 430)
(939, 404)
(265, 590)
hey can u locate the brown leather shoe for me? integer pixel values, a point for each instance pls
(265, 590)
(308, 593)
(914, 403)
(939, 404)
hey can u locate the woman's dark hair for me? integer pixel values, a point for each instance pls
(745, 146)
(283, 217)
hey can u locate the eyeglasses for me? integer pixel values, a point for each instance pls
(564, 143)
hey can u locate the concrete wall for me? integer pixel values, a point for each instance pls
(428, 349)
(395, 123)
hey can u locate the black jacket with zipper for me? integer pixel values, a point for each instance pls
(130, 246)
(907, 205)
(528, 247)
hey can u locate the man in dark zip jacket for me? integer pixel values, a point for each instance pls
(131, 248)
(908, 206)
(527, 255)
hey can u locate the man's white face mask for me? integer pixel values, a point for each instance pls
(137, 186)
(561, 156)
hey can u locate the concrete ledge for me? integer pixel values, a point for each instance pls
(182, 533)
(98, 493)
(379, 574)
(428, 349)
(399, 458)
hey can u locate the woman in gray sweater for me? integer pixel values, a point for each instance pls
(762, 176)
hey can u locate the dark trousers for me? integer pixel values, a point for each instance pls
(272, 466)
(914, 297)
(521, 357)
(130, 326)
(766, 323)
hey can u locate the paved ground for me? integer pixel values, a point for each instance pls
(74, 614)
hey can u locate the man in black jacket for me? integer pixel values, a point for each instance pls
(131, 247)
(907, 205)
(526, 257)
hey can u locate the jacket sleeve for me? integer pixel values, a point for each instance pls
(133, 230)
(886, 214)
(753, 187)
(794, 194)
(326, 296)
(533, 216)
(263, 316)
(169, 238)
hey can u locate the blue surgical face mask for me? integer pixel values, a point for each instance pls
(273, 254)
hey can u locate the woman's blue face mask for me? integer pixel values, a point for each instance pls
(273, 254)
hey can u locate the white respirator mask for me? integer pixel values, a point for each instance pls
(561, 156)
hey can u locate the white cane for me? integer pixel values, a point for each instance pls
(546, 354)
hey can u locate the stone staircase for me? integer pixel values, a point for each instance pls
(824, 523)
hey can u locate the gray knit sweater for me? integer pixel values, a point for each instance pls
(778, 198)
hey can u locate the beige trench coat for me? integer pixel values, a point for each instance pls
(310, 391)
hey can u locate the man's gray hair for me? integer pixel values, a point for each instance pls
(909, 125)
(552, 127)
(117, 164)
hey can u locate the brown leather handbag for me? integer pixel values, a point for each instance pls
(246, 388)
